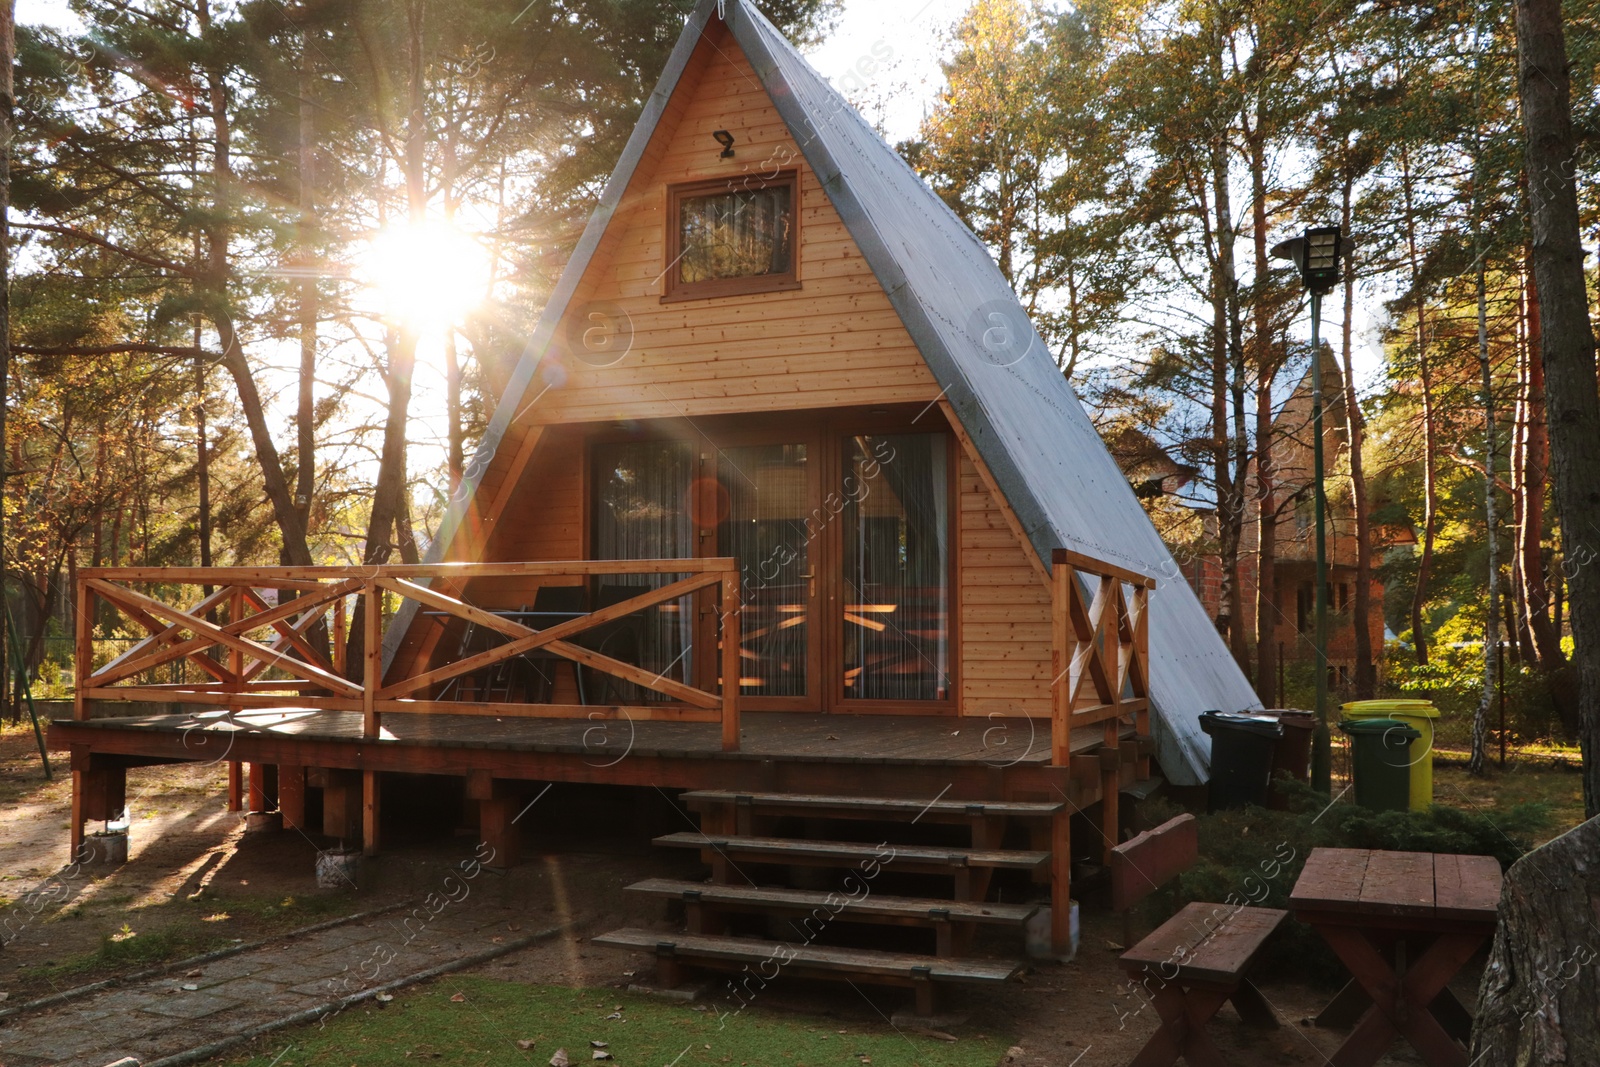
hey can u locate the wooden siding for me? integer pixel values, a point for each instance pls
(835, 340)
(1005, 611)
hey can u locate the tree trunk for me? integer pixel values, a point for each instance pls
(388, 493)
(1228, 381)
(1366, 675)
(1430, 496)
(1267, 363)
(309, 298)
(202, 448)
(1543, 622)
(1491, 628)
(1572, 400)
(8, 127)
(1536, 1001)
(216, 272)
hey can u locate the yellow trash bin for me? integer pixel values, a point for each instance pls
(1418, 714)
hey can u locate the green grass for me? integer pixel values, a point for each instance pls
(424, 1025)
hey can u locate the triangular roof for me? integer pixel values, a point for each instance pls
(1009, 396)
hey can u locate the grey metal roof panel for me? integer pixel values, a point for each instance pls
(1003, 383)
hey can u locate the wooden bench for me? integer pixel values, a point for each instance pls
(738, 953)
(1195, 961)
(707, 904)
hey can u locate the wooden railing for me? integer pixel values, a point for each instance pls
(1101, 651)
(242, 650)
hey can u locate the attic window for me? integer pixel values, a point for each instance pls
(725, 237)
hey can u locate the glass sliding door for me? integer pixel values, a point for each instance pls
(766, 530)
(642, 510)
(895, 593)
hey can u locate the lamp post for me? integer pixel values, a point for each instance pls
(1316, 254)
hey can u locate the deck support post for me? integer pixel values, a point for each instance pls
(292, 796)
(75, 841)
(1061, 881)
(235, 785)
(341, 805)
(1110, 791)
(497, 826)
(263, 790)
(371, 801)
(98, 792)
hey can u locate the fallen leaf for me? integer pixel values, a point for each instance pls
(196, 973)
(385, 998)
(599, 1044)
(614, 1015)
(459, 998)
(525, 1043)
(940, 1035)
(189, 987)
(599, 1054)
(831, 737)
(629, 974)
(496, 940)
(513, 926)
(560, 1059)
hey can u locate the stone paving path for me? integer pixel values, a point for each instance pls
(307, 975)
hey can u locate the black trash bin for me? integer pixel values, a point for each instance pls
(1241, 757)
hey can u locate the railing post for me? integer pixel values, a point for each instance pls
(82, 649)
(1141, 672)
(340, 659)
(731, 667)
(371, 659)
(1060, 660)
(236, 670)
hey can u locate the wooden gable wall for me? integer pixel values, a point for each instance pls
(833, 342)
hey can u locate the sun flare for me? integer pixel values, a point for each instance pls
(429, 275)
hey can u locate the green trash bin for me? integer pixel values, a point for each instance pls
(1420, 716)
(1380, 762)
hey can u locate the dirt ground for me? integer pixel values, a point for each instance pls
(196, 882)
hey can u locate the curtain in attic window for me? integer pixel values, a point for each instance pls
(641, 511)
(896, 567)
(736, 234)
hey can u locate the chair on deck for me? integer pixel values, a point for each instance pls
(551, 605)
(1196, 960)
(621, 639)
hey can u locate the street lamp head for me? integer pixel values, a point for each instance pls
(1316, 255)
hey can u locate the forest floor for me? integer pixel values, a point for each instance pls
(196, 883)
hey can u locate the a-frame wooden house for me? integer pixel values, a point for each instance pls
(785, 504)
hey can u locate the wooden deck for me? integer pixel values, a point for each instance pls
(268, 670)
(790, 736)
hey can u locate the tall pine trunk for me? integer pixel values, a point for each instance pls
(1266, 494)
(1539, 616)
(1567, 345)
(1366, 675)
(1430, 492)
(216, 271)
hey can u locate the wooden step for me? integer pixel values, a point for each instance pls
(872, 906)
(837, 807)
(916, 858)
(900, 966)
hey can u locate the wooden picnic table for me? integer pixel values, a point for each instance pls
(1403, 923)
